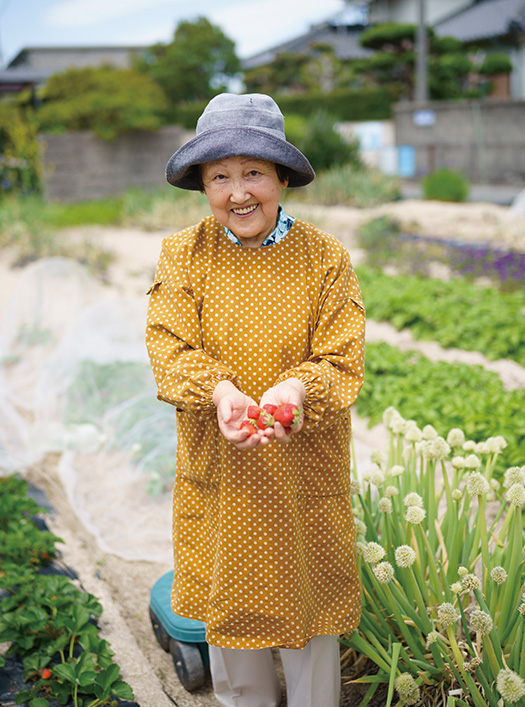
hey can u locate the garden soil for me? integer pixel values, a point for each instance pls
(122, 578)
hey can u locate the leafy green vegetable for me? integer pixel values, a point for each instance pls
(443, 395)
(455, 313)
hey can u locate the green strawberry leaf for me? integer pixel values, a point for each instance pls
(122, 690)
(24, 696)
(65, 672)
(107, 677)
(87, 678)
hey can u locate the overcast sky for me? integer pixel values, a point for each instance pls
(254, 25)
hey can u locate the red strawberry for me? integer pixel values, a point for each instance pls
(288, 430)
(250, 426)
(288, 415)
(253, 412)
(46, 674)
(265, 420)
(270, 408)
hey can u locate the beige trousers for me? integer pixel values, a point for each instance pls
(247, 678)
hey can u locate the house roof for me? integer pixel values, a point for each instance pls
(484, 20)
(22, 76)
(343, 38)
(34, 65)
(20, 58)
(15, 80)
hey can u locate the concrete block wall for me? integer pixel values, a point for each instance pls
(78, 165)
(484, 139)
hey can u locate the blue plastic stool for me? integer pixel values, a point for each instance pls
(184, 638)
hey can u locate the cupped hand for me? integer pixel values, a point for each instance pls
(232, 406)
(291, 391)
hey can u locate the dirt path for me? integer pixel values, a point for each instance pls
(123, 589)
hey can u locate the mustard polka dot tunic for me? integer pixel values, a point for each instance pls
(264, 539)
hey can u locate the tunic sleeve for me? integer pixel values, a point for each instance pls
(186, 375)
(334, 371)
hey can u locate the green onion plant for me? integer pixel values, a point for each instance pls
(441, 555)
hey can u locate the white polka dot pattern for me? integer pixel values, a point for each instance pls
(264, 540)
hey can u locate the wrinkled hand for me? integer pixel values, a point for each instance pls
(232, 406)
(291, 391)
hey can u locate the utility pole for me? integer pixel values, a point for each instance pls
(3, 8)
(421, 54)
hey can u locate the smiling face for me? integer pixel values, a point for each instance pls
(244, 195)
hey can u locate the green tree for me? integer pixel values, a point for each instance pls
(448, 74)
(390, 36)
(393, 64)
(294, 72)
(318, 138)
(19, 154)
(105, 100)
(195, 65)
(282, 74)
(321, 70)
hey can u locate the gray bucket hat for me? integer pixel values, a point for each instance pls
(250, 124)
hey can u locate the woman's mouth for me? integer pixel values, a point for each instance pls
(245, 210)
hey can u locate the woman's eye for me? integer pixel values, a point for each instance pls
(253, 173)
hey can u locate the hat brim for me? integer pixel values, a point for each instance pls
(228, 142)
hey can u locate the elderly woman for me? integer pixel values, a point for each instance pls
(252, 305)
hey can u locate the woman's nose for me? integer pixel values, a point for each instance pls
(239, 191)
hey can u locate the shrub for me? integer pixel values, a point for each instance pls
(353, 187)
(105, 100)
(446, 185)
(379, 235)
(497, 63)
(446, 45)
(318, 139)
(448, 75)
(163, 208)
(354, 105)
(390, 33)
(344, 105)
(19, 155)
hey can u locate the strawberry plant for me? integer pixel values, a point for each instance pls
(22, 541)
(50, 624)
(14, 501)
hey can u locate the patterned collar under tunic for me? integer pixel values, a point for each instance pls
(284, 224)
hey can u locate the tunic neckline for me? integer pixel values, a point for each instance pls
(259, 251)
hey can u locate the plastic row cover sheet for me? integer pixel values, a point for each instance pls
(75, 379)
